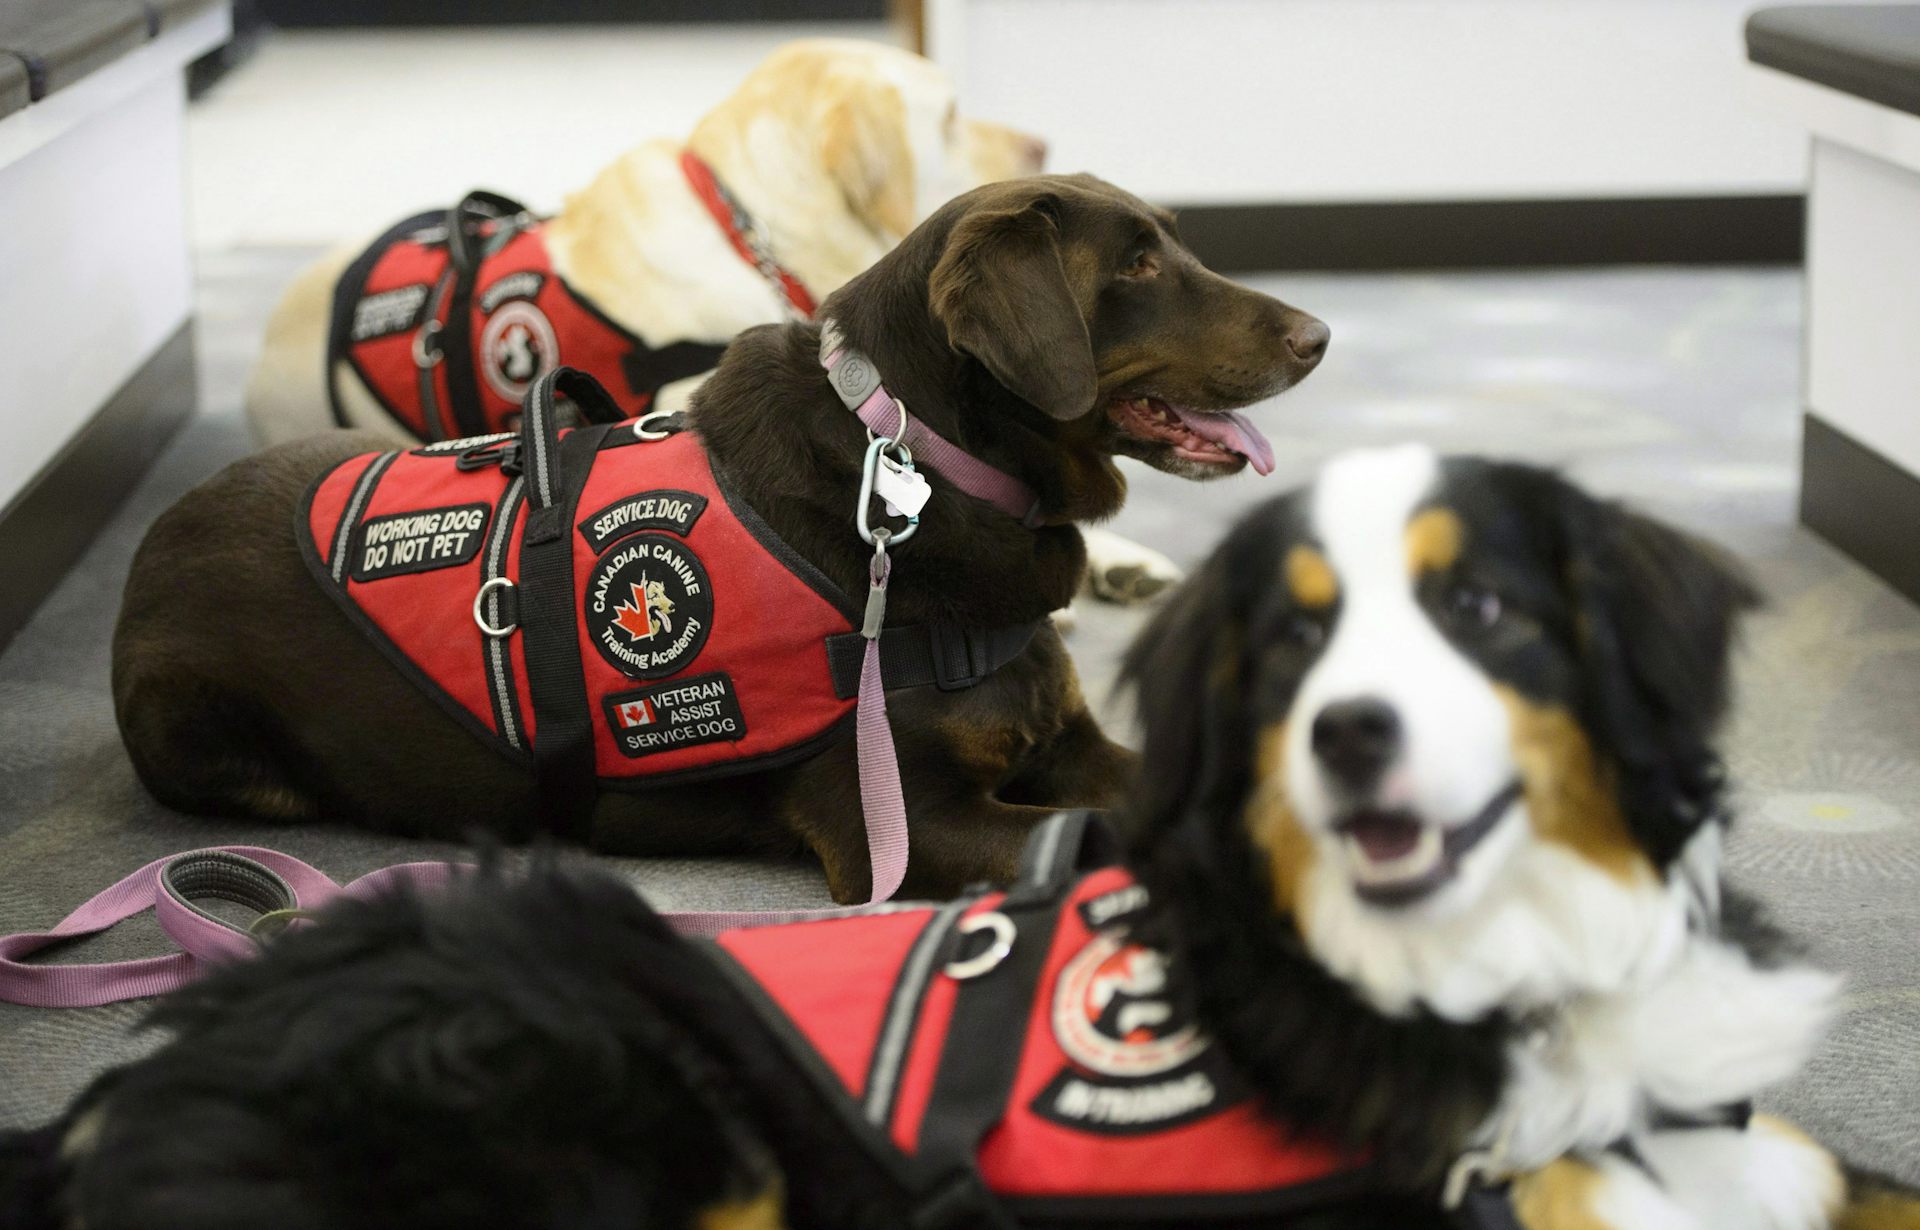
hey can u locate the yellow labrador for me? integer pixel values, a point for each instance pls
(836, 147)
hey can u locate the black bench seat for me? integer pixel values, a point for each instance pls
(15, 92)
(1871, 51)
(47, 45)
(61, 41)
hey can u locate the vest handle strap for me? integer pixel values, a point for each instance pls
(463, 221)
(556, 470)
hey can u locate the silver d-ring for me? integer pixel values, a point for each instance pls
(480, 599)
(996, 952)
(640, 425)
(429, 332)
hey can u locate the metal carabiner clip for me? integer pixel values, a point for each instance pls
(862, 513)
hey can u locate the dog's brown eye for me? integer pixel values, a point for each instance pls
(1144, 263)
(1303, 630)
(1474, 608)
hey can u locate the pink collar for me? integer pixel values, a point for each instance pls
(857, 381)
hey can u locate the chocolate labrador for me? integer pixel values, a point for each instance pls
(1046, 325)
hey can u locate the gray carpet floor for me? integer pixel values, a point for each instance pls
(1677, 389)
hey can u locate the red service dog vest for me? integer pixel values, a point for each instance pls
(600, 605)
(1103, 1088)
(448, 335)
(703, 639)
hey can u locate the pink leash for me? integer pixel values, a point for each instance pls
(248, 873)
(282, 889)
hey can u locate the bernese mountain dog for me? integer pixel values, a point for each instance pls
(1421, 885)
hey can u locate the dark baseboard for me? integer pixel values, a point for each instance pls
(310, 13)
(1862, 503)
(51, 522)
(1498, 234)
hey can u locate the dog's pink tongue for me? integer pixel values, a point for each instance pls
(1231, 430)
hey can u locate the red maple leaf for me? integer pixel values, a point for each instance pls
(634, 620)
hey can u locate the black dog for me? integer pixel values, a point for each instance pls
(1429, 843)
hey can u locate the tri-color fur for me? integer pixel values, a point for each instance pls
(1441, 841)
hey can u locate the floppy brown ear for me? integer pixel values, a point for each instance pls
(1001, 290)
(863, 144)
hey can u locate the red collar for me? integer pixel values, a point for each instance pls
(743, 232)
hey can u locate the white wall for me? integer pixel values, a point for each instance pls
(94, 273)
(1863, 300)
(1231, 101)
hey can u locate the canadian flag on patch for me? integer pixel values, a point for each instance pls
(637, 713)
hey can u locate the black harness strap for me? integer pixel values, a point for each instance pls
(465, 249)
(650, 370)
(1486, 1208)
(918, 654)
(979, 1060)
(555, 472)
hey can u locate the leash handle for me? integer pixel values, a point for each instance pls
(171, 886)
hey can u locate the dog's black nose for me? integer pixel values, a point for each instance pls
(1308, 339)
(1355, 740)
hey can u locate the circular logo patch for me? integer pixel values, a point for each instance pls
(649, 606)
(1113, 1013)
(515, 347)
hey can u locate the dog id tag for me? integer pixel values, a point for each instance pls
(905, 491)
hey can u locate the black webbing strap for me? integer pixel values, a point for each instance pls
(982, 1052)
(465, 247)
(918, 654)
(555, 472)
(1486, 1207)
(648, 369)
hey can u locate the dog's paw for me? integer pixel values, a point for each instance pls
(1766, 1176)
(1122, 571)
(1608, 1193)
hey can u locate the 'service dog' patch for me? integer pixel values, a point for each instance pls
(420, 541)
(679, 713)
(649, 606)
(646, 510)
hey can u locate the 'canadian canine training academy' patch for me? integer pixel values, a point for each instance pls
(1137, 1061)
(418, 541)
(678, 713)
(649, 606)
